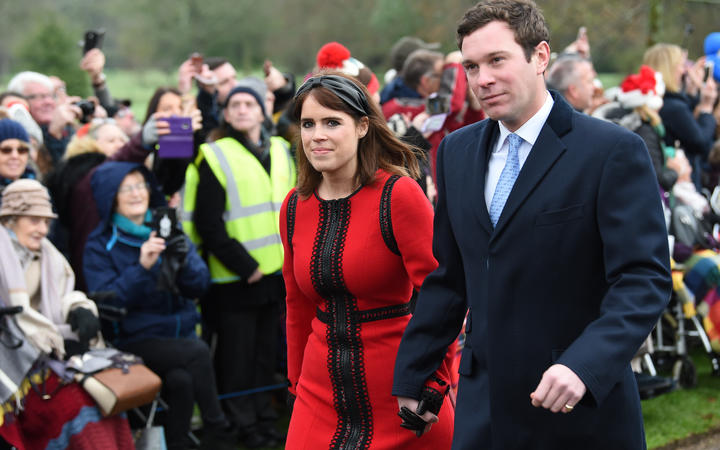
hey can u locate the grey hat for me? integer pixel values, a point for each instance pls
(253, 86)
(406, 45)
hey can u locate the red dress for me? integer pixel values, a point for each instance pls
(349, 280)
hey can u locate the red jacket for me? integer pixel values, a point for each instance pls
(454, 84)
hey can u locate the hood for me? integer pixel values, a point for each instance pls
(107, 179)
(397, 89)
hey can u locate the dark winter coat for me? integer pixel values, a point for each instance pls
(111, 263)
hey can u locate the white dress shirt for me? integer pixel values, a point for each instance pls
(529, 132)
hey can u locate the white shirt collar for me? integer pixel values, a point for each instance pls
(530, 130)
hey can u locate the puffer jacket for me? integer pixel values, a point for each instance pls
(111, 263)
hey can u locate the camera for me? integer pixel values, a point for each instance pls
(88, 109)
(93, 39)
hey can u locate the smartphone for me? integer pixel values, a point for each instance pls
(197, 61)
(436, 104)
(164, 221)
(93, 39)
(709, 67)
(179, 143)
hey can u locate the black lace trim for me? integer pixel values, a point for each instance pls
(386, 228)
(433, 399)
(291, 207)
(371, 315)
(345, 360)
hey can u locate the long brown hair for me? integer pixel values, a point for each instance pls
(378, 149)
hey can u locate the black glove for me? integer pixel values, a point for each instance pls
(84, 323)
(412, 421)
(177, 247)
(173, 259)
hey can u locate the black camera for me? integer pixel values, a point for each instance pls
(88, 109)
(93, 39)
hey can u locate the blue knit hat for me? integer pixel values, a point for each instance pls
(253, 86)
(10, 129)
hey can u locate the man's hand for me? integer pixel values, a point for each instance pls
(559, 390)
(412, 404)
(274, 79)
(93, 63)
(64, 114)
(255, 277)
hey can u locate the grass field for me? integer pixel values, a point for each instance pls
(684, 412)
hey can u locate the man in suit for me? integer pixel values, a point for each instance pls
(560, 258)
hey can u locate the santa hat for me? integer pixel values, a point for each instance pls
(334, 55)
(644, 88)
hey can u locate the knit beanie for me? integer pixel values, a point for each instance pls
(253, 86)
(10, 129)
(644, 88)
(26, 197)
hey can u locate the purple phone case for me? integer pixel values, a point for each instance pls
(179, 143)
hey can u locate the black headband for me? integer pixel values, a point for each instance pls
(345, 89)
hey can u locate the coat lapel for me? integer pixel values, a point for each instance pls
(481, 150)
(547, 149)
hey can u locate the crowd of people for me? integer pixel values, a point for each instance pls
(287, 237)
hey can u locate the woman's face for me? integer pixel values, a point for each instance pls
(133, 197)
(170, 103)
(30, 230)
(13, 158)
(110, 138)
(330, 138)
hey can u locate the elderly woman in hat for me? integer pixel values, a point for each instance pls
(35, 275)
(57, 321)
(14, 153)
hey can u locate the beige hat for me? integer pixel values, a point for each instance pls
(26, 197)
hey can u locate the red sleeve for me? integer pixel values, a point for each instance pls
(300, 309)
(454, 84)
(412, 221)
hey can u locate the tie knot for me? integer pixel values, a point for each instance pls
(514, 142)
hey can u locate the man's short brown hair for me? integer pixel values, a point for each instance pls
(523, 17)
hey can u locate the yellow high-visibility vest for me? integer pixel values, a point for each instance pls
(252, 200)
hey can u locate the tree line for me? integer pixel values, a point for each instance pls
(43, 34)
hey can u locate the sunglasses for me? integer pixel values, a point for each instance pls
(21, 149)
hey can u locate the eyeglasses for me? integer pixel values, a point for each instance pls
(32, 97)
(140, 187)
(21, 149)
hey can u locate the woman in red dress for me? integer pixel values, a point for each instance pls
(357, 236)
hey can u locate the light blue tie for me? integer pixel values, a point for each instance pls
(507, 178)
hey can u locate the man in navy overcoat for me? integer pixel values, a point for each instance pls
(562, 279)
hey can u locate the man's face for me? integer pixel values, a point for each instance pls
(509, 88)
(225, 75)
(244, 113)
(581, 92)
(41, 101)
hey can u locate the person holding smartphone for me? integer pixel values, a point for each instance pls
(688, 119)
